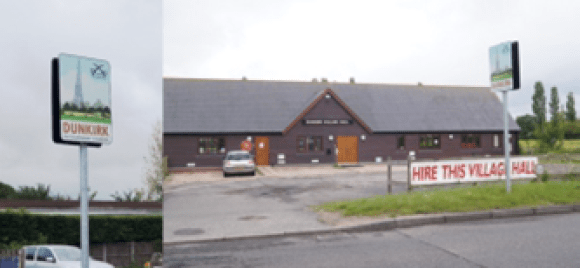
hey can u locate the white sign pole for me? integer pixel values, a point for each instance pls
(506, 142)
(84, 208)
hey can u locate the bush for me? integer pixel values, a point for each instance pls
(551, 135)
(57, 229)
(544, 176)
(572, 130)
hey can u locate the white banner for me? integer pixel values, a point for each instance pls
(457, 171)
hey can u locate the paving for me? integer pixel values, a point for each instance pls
(509, 242)
(278, 203)
(562, 168)
(242, 206)
(269, 172)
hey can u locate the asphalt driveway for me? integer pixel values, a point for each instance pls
(199, 208)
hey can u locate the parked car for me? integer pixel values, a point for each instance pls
(57, 256)
(239, 162)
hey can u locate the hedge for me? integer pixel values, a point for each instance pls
(59, 229)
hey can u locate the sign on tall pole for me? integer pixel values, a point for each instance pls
(81, 115)
(505, 76)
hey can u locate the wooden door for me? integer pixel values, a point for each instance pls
(347, 149)
(262, 151)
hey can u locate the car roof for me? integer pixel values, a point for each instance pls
(52, 246)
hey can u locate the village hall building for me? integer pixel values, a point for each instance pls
(289, 122)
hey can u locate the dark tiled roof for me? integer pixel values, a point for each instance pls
(236, 106)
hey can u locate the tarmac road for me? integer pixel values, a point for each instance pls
(545, 241)
(200, 211)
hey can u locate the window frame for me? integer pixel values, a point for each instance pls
(399, 139)
(316, 141)
(432, 137)
(207, 149)
(44, 258)
(470, 138)
(301, 149)
(499, 141)
(26, 254)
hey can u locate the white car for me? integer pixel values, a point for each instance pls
(57, 256)
(239, 162)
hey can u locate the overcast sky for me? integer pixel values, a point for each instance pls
(126, 33)
(432, 42)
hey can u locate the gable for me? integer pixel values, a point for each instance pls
(327, 109)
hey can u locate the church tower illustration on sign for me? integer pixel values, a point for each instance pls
(78, 98)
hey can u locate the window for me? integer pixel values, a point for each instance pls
(43, 253)
(30, 253)
(401, 142)
(212, 145)
(429, 141)
(470, 141)
(496, 141)
(241, 156)
(301, 145)
(309, 144)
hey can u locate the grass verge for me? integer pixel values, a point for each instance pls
(478, 198)
(86, 119)
(531, 146)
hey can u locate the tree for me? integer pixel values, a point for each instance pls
(6, 190)
(539, 104)
(41, 192)
(91, 196)
(156, 171)
(128, 196)
(570, 110)
(551, 135)
(554, 105)
(527, 124)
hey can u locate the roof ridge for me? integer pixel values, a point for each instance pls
(320, 83)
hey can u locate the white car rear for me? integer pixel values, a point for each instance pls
(239, 162)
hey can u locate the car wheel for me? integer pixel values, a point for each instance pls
(253, 173)
(225, 175)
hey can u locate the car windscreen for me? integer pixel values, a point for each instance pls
(30, 253)
(238, 157)
(68, 254)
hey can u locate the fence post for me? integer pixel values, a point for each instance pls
(409, 172)
(389, 176)
(132, 251)
(105, 252)
(21, 257)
